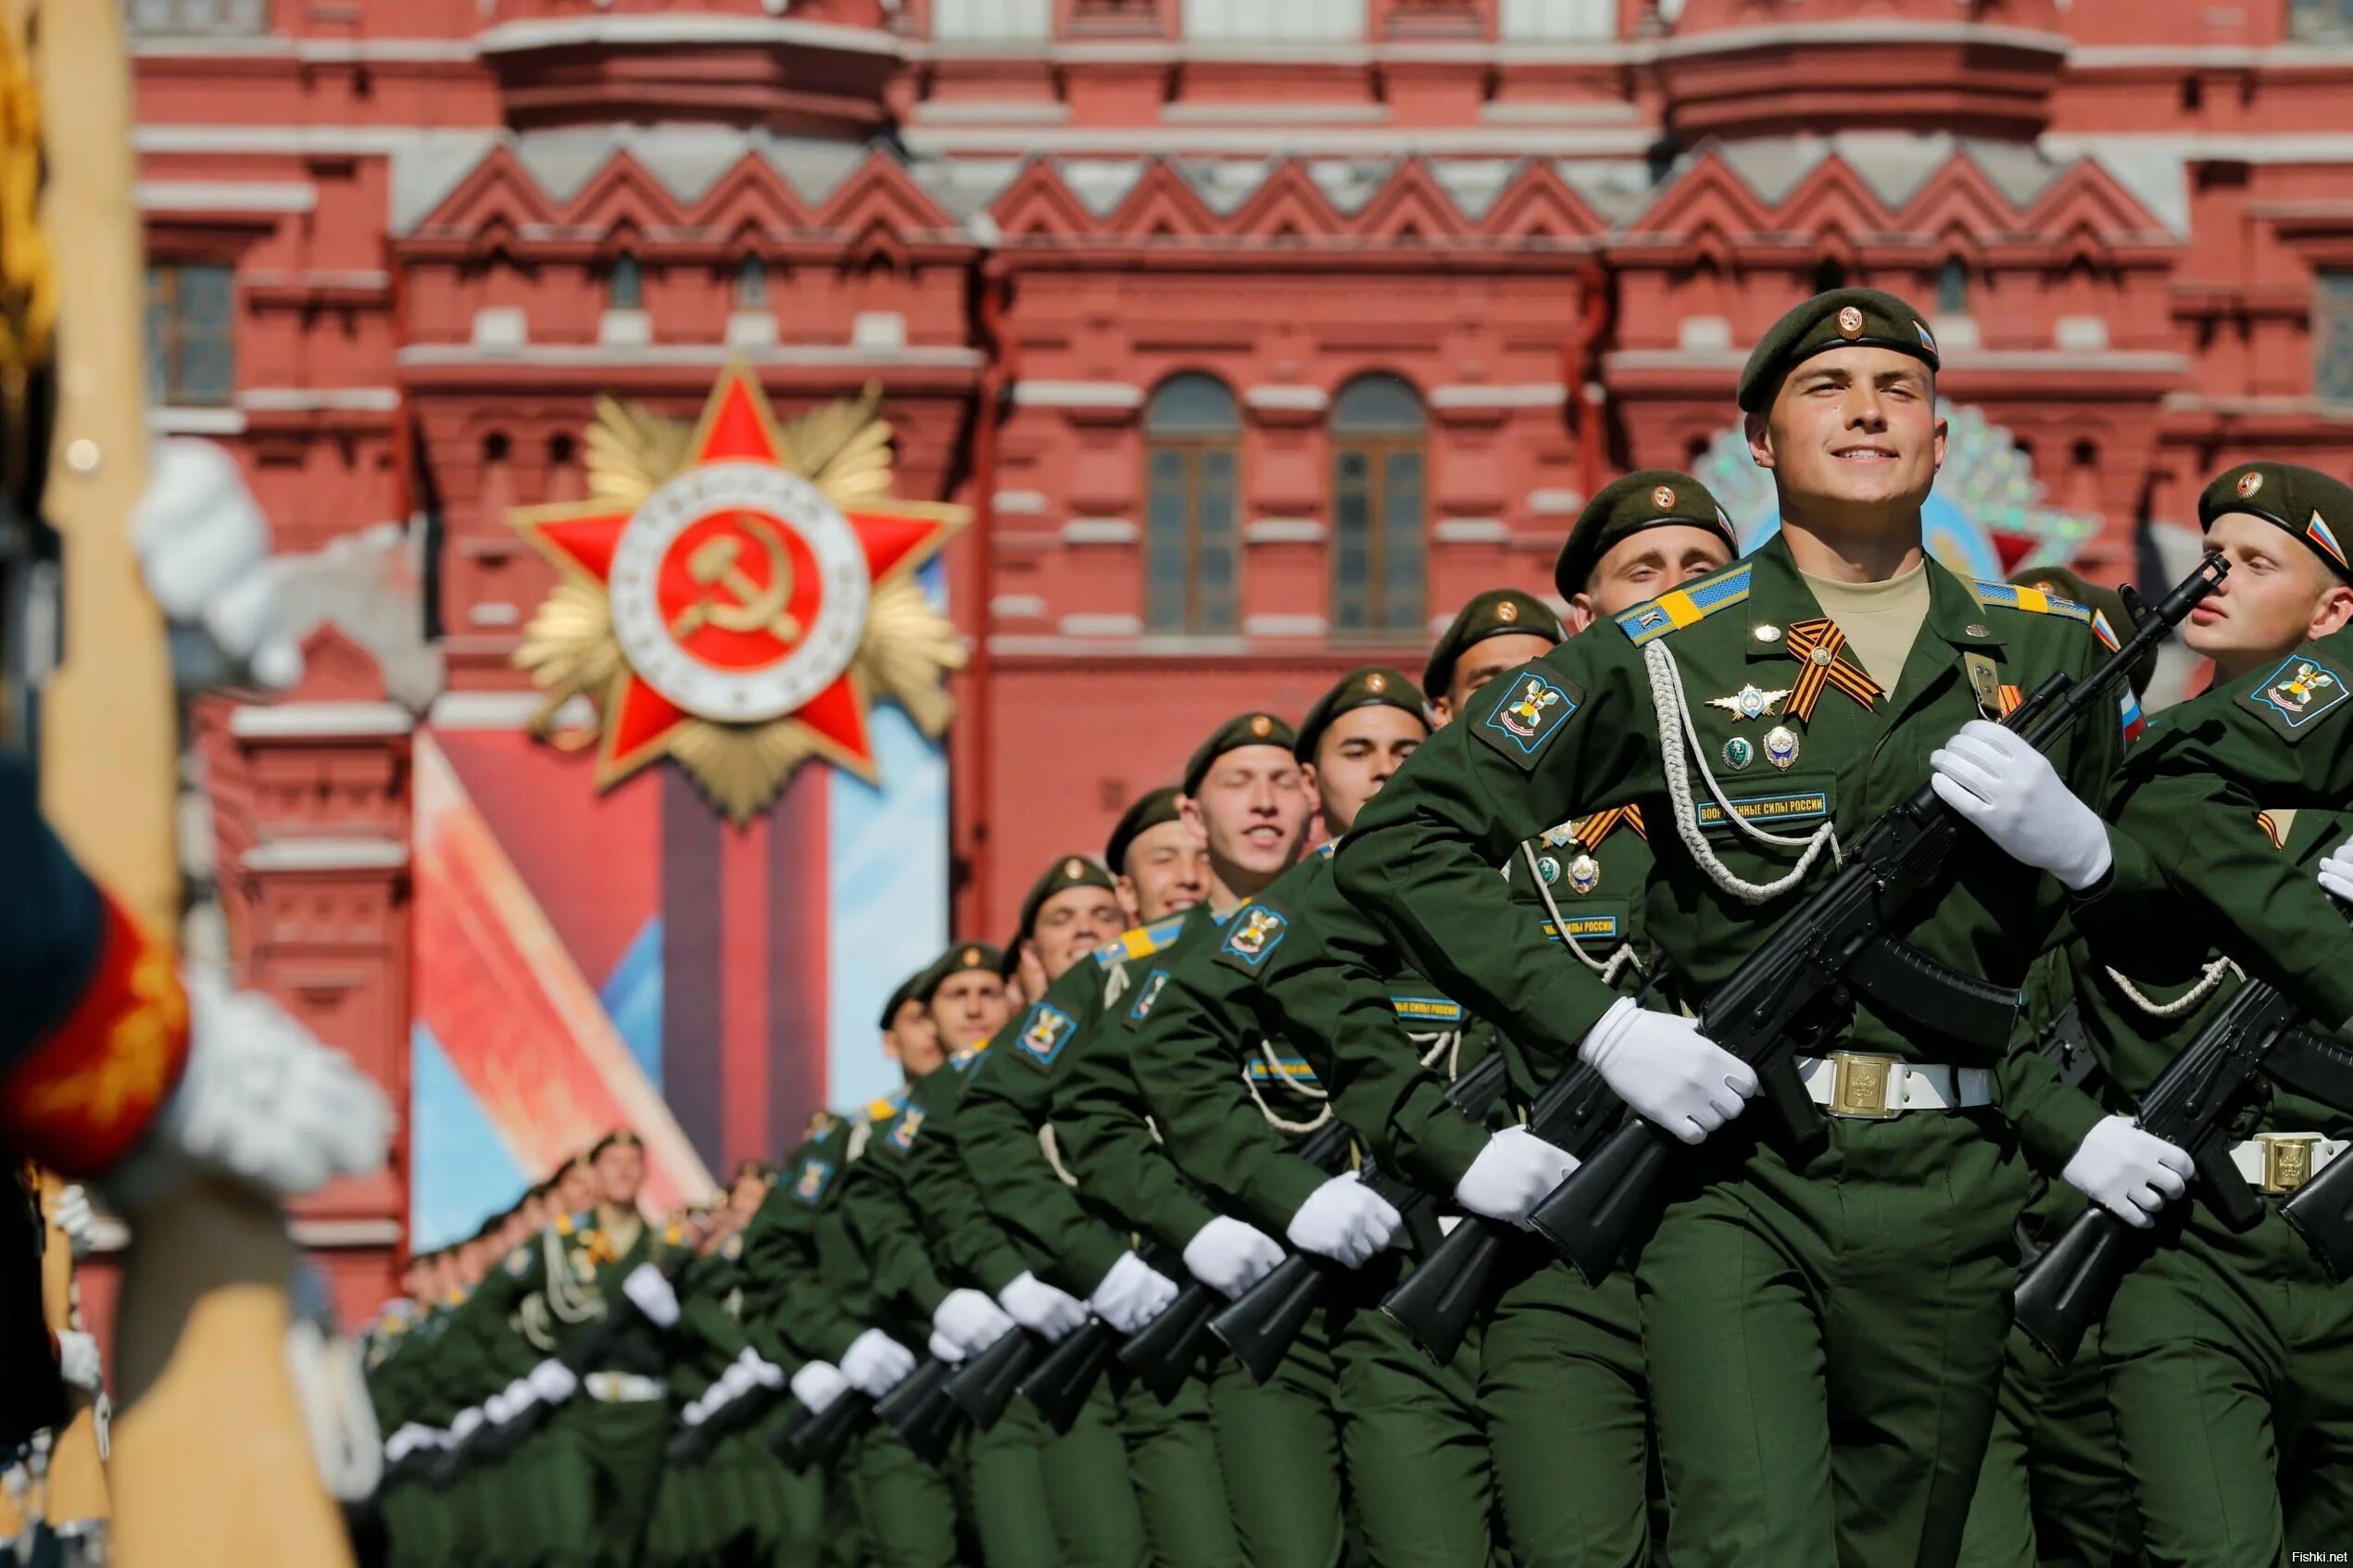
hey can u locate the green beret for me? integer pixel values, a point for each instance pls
(2308, 503)
(1835, 320)
(1071, 870)
(1498, 612)
(1242, 730)
(1625, 507)
(1373, 686)
(1149, 812)
(2108, 602)
(903, 992)
(962, 956)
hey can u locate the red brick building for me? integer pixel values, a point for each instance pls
(1257, 336)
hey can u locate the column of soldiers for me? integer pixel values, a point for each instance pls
(1275, 1158)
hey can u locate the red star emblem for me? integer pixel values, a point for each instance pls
(738, 589)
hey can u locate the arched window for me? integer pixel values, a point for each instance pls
(624, 284)
(1952, 287)
(1380, 506)
(1192, 558)
(752, 283)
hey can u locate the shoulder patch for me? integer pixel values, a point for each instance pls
(2293, 698)
(902, 1136)
(1684, 607)
(1044, 1033)
(519, 1260)
(1146, 994)
(2033, 600)
(1254, 931)
(1141, 943)
(1531, 714)
(815, 1176)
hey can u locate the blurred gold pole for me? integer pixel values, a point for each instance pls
(212, 1468)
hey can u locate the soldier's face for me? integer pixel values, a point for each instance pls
(913, 1040)
(1072, 925)
(1167, 869)
(620, 1174)
(2277, 594)
(1358, 754)
(1852, 436)
(1481, 664)
(1253, 810)
(577, 1191)
(970, 1005)
(749, 1193)
(1641, 568)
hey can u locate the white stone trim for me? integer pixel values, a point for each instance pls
(752, 328)
(226, 195)
(310, 51)
(1238, 113)
(498, 329)
(589, 356)
(1471, 531)
(1102, 625)
(501, 711)
(1017, 607)
(1339, 141)
(1010, 113)
(327, 855)
(318, 721)
(630, 328)
(196, 421)
(1293, 399)
(1285, 625)
(302, 400)
(363, 141)
(640, 32)
(1025, 502)
(1556, 502)
(494, 613)
(1078, 395)
(1283, 530)
(345, 1233)
(1100, 530)
(1481, 395)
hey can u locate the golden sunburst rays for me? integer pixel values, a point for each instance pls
(572, 647)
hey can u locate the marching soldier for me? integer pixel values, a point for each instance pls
(1787, 1307)
(2226, 1356)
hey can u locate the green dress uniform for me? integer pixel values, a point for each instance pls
(1824, 1340)
(401, 1391)
(502, 1504)
(1070, 1237)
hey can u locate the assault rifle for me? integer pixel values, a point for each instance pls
(1261, 1324)
(2069, 1289)
(1058, 1385)
(1800, 981)
(1164, 1352)
(985, 1384)
(818, 1438)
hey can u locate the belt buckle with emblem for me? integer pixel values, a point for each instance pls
(2287, 1160)
(1858, 1087)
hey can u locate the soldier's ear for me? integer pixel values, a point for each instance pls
(1760, 439)
(1580, 613)
(2336, 610)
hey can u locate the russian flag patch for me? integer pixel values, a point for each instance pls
(2318, 532)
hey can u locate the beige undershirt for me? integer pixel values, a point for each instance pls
(1881, 620)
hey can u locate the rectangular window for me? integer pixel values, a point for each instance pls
(1378, 532)
(2332, 337)
(1558, 21)
(2319, 18)
(191, 335)
(1192, 561)
(1274, 21)
(992, 20)
(196, 18)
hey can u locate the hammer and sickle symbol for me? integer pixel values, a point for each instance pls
(751, 607)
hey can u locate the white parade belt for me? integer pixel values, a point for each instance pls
(2284, 1161)
(1877, 1088)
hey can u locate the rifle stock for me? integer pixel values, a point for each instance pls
(1063, 1378)
(920, 1411)
(1164, 1352)
(2069, 1287)
(819, 1437)
(1839, 940)
(983, 1385)
(2322, 1213)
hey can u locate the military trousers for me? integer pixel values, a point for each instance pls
(1042, 1496)
(1567, 1407)
(907, 1507)
(1172, 1462)
(1825, 1346)
(2229, 1369)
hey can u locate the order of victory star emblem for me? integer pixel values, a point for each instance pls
(736, 595)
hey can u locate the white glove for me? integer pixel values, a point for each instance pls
(733, 1385)
(943, 1348)
(204, 549)
(1344, 1220)
(652, 1295)
(2013, 796)
(763, 1373)
(408, 1440)
(2337, 875)
(1515, 1173)
(874, 1362)
(521, 1396)
(261, 1099)
(75, 1218)
(462, 1424)
(1132, 1294)
(971, 1321)
(2127, 1171)
(1041, 1309)
(817, 1384)
(499, 1408)
(77, 1359)
(697, 1411)
(1667, 1070)
(552, 1382)
(1229, 1256)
